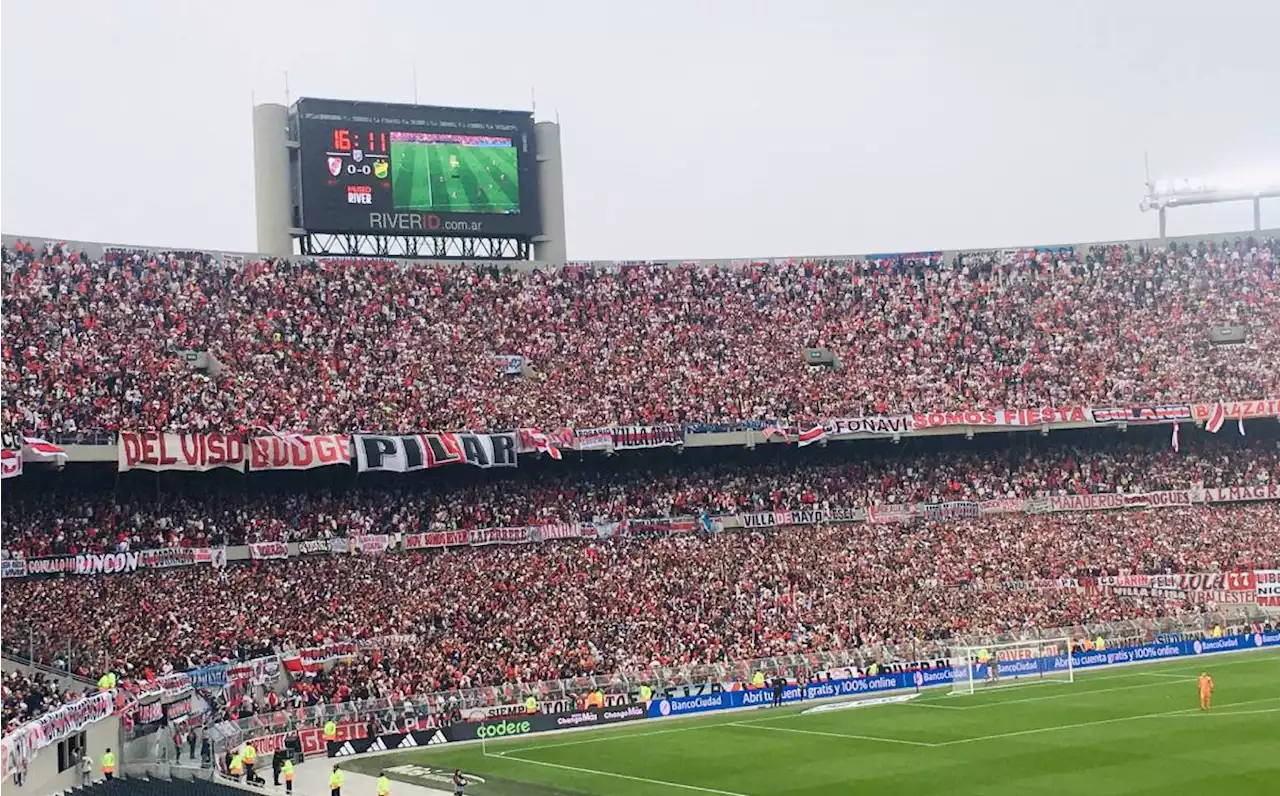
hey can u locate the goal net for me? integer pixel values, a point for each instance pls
(987, 666)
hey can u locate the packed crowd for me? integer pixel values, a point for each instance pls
(634, 487)
(340, 345)
(484, 616)
(27, 696)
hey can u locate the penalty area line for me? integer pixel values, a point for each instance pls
(1099, 722)
(664, 783)
(875, 738)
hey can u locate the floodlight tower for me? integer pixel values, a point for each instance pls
(1165, 194)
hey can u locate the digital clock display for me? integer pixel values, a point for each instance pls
(406, 169)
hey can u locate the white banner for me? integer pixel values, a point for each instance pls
(371, 543)
(298, 451)
(13, 566)
(152, 450)
(407, 453)
(1268, 586)
(265, 550)
(1231, 494)
(21, 745)
(11, 464)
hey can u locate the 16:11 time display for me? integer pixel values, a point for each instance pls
(345, 140)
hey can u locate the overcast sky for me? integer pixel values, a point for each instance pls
(690, 128)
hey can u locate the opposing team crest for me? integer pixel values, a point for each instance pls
(357, 155)
(335, 166)
(380, 169)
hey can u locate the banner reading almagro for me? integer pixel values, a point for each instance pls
(406, 453)
(154, 450)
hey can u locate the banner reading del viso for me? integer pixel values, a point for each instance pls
(153, 450)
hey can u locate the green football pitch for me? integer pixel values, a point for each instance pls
(1133, 730)
(451, 178)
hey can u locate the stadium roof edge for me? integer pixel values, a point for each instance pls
(95, 249)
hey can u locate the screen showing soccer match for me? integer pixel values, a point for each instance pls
(446, 173)
(412, 169)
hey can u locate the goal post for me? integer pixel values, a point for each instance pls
(981, 667)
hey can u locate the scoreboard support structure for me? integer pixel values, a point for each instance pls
(413, 247)
(356, 179)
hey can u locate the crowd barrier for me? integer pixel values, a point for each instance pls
(16, 566)
(741, 697)
(22, 745)
(247, 453)
(509, 727)
(938, 677)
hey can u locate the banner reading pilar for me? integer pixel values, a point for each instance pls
(409, 452)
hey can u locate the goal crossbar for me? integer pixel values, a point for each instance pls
(1010, 664)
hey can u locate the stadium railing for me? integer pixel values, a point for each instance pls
(625, 683)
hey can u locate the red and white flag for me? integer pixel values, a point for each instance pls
(1216, 418)
(37, 450)
(287, 436)
(815, 434)
(11, 465)
(543, 444)
(1176, 447)
(773, 431)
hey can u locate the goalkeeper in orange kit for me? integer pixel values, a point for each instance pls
(1206, 690)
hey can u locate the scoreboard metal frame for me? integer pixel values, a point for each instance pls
(321, 174)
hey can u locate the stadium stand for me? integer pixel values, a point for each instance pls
(339, 345)
(95, 346)
(27, 696)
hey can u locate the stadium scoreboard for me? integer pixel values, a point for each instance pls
(381, 168)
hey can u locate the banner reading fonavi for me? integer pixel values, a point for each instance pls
(406, 453)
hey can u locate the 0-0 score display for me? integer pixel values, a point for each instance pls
(414, 169)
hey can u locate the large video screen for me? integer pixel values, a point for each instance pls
(412, 169)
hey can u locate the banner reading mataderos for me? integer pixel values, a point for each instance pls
(406, 453)
(298, 451)
(1107, 501)
(152, 450)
